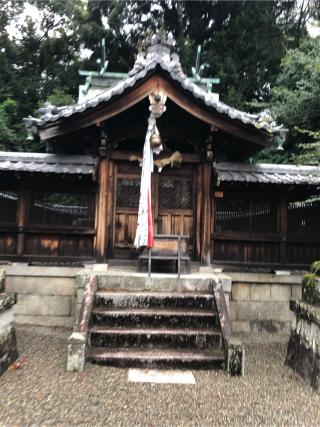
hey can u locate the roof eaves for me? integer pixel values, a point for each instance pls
(143, 66)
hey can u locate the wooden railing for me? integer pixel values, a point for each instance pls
(266, 232)
(40, 225)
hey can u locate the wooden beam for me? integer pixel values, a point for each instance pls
(125, 156)
(100, 240)
(140, 91)
(206, 214)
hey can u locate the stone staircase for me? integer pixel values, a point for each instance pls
(155, 329)
(132, 320)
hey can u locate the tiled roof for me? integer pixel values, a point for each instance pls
(226, 171)
(157, 56)
(268, 173)
(47, 163)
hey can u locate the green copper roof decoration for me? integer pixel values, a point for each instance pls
(197, 70)
(111, 78)
(103, 63)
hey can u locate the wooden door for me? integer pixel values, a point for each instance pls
(127, 192)
(172, 204)
(176, 203)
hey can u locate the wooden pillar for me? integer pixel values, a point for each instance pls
(101, 238)
(199, 211)
(21, 220)
(283, 228)
(110, 208)
(206, 214)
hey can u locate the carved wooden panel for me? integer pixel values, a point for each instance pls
(172, 203)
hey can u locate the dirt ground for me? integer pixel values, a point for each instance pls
(42, 393)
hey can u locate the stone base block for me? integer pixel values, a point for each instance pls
(43, 305)
(240, 326)
(303, 354)
(8, 348)
(63, 321)
(2, 279)
(76, 352)
(304, 359)
(235, 357)
(270, 327)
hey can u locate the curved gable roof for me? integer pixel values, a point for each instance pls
(157, 57)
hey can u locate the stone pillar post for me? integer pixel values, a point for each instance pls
(8, 343)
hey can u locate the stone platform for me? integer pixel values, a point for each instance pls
(8, 344)
(303, 354)
(50, 296)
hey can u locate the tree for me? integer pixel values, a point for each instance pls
(41, 57)
(309, 152)
(243, 43)
(295, 101)
(10, 129)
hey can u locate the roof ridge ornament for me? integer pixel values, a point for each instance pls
(160, 38)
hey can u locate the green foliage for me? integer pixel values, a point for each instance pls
(311, 285)
(243, 43)
(59, 98)
(308, 288)
(315, 268)
(296, 96)
(307, 153)
(295, 101)
(10, 129)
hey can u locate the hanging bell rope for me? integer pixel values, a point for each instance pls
(152, 144)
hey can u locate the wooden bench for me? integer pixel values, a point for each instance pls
(167, 247)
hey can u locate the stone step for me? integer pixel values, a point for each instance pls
(101, 336)
(154, 299)
(156, 357)
(156, 317)
(135, 282)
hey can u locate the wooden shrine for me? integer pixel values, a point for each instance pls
(79, 202)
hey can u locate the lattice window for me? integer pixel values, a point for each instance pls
(128, 192)
(303, 217)
(66, 209)
(175, 193)
(8, 207)
(246, 215)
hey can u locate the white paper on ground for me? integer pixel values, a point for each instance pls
(160, 376)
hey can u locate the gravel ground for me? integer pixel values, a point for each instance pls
(42, 393)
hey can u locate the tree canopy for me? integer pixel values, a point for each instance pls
(295, 101)
(261, 51)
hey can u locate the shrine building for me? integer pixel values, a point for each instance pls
(79, 202)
